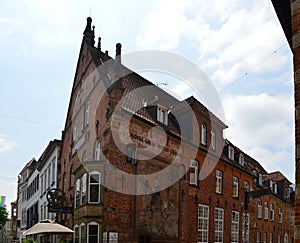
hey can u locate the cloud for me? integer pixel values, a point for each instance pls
(5, 145)
(262, 125)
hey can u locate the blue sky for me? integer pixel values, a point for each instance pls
(239, 44)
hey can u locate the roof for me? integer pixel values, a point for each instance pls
(283, 11)
(277, 176)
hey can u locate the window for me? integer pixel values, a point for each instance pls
(234, 226)
(193, 172)
(203, 219)
(77, 194)
(271, 212)
(278, 239)
(76, 234)
(86, 113)
(97, 151)
(275, 187)
(246, 186)
(241, 159)
(286, 238)
(292, 219)
(259, 179)
(218, 181)
(245, 227)
(266, 211)
(280, 216)
(235, 186)
(271, 238)
(53, 171)
(258, 237)
(230, 153)
(93, 233)
(94, 187)
(82, 233)
(83, 189)
(213, 139)
(162, 115)
(219, 219)
(287, 193)
(203, 134)
(265, 237)
(259, 209)
(72, 176)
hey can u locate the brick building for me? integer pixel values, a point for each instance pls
(288, 13)
(112, 118)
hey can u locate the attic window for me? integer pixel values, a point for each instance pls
(241, 160)
(162, 115)
(230, 153)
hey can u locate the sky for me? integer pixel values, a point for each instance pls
(238, 44)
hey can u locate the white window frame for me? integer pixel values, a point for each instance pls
(280, 216)
(266, 210)
(83, 195)
(219, 225)
(94, 184)
(246, 227)
(76, 227)
(259, 209)
(265, 237)
(271, 238)
(271, 212)
(219, 178)
(194, 172)
(88, 231)
(203, 134)
(213, 139)
(77, 193)
(230, 153)
(258, 237)
(241, 159)
(80, 233)
(203, 223)
(162, 115)
(235, 187)
(235, 226)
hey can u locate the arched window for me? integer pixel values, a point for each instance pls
(271, 212)
(82, 233)
(93, 232)
(97, 151)
(76, 234)
(203, 134)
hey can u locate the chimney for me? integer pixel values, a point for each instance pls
(118, 52)
(99, 43)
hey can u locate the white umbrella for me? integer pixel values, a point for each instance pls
(47, 226)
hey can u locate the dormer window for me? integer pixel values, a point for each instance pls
(259, 179)
(241, 159)
(230, 153)
(162, 115)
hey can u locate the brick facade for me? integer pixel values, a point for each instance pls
(180, 211)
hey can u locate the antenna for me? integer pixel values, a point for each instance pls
(90, 11)
(161, 83)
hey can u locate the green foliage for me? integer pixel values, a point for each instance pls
(66, 240)
(3, 216)
(29, 240)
